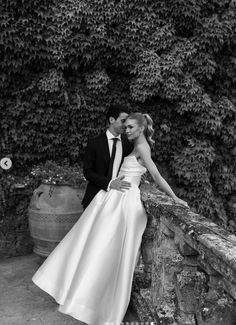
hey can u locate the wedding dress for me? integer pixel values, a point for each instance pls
(90, 272)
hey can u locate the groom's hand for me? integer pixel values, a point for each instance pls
(120, 185)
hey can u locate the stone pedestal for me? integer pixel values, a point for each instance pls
(167, 262)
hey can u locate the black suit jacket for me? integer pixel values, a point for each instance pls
(96, 163)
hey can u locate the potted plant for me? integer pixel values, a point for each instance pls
(55, 205)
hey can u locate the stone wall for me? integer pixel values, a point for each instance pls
(189, 263)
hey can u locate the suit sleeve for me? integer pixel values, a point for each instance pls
(89, 168)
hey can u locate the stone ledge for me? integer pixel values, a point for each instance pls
(191, 264)
(215, 245)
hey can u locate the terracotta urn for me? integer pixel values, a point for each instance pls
(52, 212)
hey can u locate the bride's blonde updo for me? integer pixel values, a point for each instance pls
(146, 121)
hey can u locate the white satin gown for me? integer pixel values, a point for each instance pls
(90, 272)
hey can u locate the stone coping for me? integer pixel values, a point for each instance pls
(214, 246)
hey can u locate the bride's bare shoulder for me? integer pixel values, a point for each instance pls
(143, 149)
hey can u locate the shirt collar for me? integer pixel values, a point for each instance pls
(111, 136)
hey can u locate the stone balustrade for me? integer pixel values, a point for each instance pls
(189, 263)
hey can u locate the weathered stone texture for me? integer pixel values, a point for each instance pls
(147, 244)
(216, 308)
(193, 279)
(190, 285)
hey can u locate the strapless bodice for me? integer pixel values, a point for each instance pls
(132, 170)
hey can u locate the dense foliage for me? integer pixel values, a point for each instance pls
(63, 62)
(52, 173)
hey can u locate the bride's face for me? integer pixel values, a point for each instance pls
(132, 129)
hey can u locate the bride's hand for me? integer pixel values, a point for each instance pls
(181, 202)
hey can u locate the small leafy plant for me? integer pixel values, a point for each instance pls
(51, 172)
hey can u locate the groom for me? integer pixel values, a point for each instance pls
(104, 156)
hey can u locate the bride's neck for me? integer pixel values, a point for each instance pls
(141, 139)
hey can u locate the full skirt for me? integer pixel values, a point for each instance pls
(90, 272)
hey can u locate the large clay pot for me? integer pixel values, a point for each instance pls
(52, 212)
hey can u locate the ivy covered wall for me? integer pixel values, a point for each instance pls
(63, 63)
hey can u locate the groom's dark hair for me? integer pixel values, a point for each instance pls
(115, 110)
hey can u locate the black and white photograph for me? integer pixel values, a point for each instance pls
(118, 162)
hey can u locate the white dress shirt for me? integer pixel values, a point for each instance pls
(118, 155)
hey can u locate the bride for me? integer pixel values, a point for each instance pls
(90, 272)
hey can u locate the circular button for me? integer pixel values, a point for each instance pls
(5, 163)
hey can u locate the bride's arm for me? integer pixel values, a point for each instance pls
(145, 155)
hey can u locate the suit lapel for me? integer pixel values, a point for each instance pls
(125, 146)
(105, 148)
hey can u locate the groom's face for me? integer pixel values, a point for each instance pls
(118, 124)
